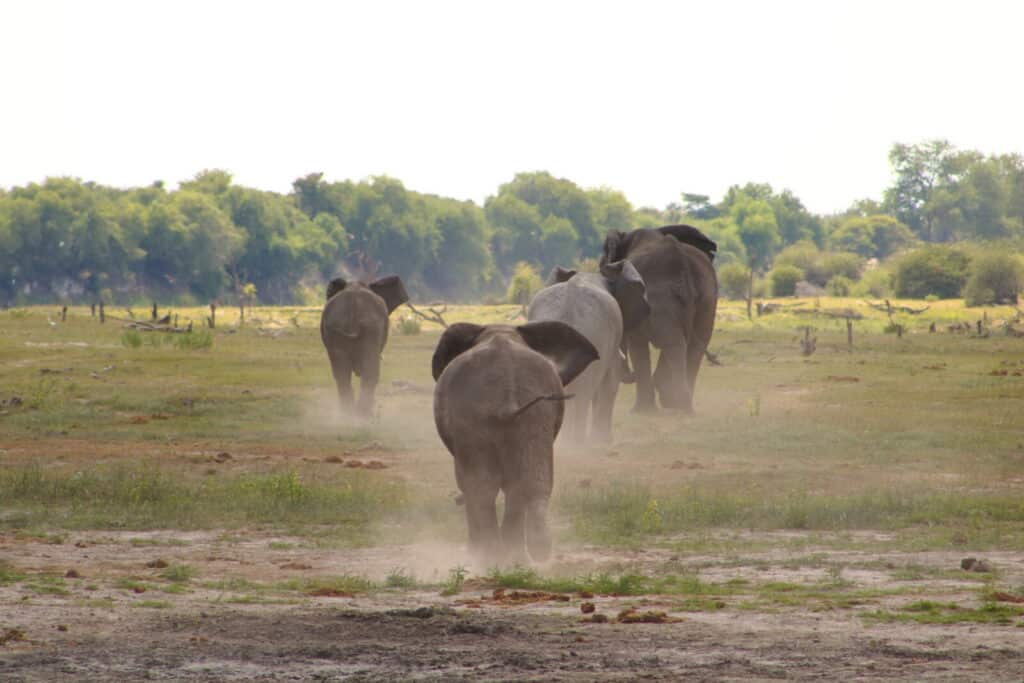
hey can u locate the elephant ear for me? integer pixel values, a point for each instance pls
(559, 274)
(390, 289)
(570, 351)
(457, 339)
(687, 234)
(629, 290)
(335, 286)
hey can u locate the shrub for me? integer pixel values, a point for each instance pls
(995, 279)
(784, 279)
(131, 338)
(840, 285)
(732, 280)
(525, 283)
(876, 282)
(408, 325)
(839, 263)
(203, 339)
(937, 270)
(803, 254)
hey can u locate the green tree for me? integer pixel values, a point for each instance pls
(932, 270)
(784, 279)
(995, 278)
(871, 236)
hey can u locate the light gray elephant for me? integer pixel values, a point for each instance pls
(498, 406)
(600, 308)
(354, 329)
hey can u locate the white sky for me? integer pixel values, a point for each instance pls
(454, 98)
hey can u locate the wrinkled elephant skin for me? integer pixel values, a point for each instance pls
(498, 406)
(675, 263)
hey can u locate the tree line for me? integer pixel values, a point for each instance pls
(210, 239)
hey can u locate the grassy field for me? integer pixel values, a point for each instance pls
(918, 435)
(212, 474)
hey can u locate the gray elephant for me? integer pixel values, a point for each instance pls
(354, 329)
(498, 406)
(599, 308)
(675, 263)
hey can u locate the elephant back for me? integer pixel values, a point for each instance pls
(353, 313)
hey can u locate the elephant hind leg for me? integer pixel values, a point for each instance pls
(513, 527)
(604, 405)
(538, 538)
(369, 365)
(341, 368)
(640, 354)
(672, 379)
(482, 520)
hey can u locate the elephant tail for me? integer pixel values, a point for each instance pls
(513, 414)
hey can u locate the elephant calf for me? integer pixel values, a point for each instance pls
(498, 406)
(354, 329)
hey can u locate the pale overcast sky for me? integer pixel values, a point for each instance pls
(454, 98)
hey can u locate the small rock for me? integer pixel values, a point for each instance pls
(72, 574)
(156, 564)
(223, 456)
(587, 607)
(334, 459)
(62, 628)
(139, 590)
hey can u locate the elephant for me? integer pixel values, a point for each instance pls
(599, 308)
(498, 406)
(354, 329)
(675, 262)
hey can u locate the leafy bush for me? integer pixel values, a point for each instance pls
(995, 279)
(876, 282)
(840, 285)
(525, 283)
(839, 263)
(408, 325)
(803, 254)
(732, 280)
(784, 279)
(937, 270)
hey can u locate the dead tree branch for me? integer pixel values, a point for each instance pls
(434, 314)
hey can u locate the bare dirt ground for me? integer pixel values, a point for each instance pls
(101, 629)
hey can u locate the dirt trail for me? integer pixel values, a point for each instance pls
(100, 629)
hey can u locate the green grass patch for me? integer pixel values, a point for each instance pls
(345, 584)
(608, 584)
(46, 584)
(178, 573)
(931, 612)
(630, 513)
(8, 574)
(152, 604)
(141, 497)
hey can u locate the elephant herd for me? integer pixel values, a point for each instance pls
(502, 392)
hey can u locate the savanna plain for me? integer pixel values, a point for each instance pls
(195, 507)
